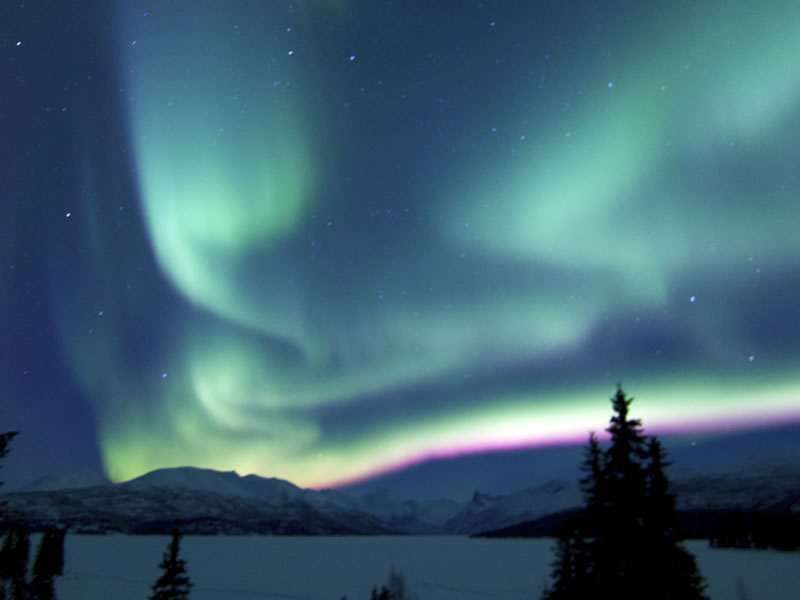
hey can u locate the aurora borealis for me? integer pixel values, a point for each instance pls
(322, 240)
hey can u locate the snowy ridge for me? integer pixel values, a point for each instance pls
(484, 512)
(227, 483)
(208, 501)
(65, 481)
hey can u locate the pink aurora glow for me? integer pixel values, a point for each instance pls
(677, 425)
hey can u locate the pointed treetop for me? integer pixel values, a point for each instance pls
(174, 582)
(621, 402)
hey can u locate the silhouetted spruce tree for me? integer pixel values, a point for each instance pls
(626, 546)
(571, 569)
(42, 588)
(5, 442)
(592, 484)
(671, 569)
(393, 589)
(620, 536)
(581, 542)
(6, 563)
(660, 502)
(5, 445)
(382, 594)
(15, 553)
(580, 537)
(59, 535)
(6, 551)
(174, 583)
(50, 554)
(623, 474)
(48, 565)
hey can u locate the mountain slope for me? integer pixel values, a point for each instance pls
(207, 501)
(65, 481)
(160, 509)
(484, 512)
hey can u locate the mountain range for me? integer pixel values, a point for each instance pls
(205, 501)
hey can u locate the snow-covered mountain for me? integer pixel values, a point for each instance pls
(393, 513)
(207, 501)
(775, 487)
(228, 483)
(484, 512)
(65, 481)
(193, 500)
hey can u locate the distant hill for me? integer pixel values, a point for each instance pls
(764, 528)
(65, 481)
(207, 501)
(745, 510)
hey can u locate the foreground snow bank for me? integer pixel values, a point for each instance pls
(319, 568)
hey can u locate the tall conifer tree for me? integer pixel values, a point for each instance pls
(593, 482)
(20, 548)
(671, 569)
(626, 546)
(174, 583)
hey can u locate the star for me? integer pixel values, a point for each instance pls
(19, 43)
(68, 214)
(692, 299)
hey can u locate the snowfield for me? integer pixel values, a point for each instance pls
(328, 568)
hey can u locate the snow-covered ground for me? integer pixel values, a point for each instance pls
(328, 568)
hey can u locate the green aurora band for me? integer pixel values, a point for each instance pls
(226, 127)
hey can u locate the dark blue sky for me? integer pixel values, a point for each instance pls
(327, 240)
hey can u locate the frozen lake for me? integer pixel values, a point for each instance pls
(317, 568)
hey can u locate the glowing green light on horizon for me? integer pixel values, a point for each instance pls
(616, 202)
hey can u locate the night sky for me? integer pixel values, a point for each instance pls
(323, 240)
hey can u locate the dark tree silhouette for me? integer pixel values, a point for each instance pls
(571, 569)
(659, 503)
(382, 594)
(393, 589)
(619, 533)
(48, 565)
(50, 555)
(6, 563)
(7, 560)
(15, 554)
(14, 563)
(625, 544)
(623, 473)
(42, 588)
(593, 483)
(174, 583)
(5, 445)
(673, 571)
(5, 442)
